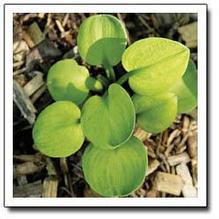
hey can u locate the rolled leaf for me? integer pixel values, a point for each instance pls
(155, 114)
(101, 40)
(109, 121)
(57, 131)
(115, 172)
(155, 63)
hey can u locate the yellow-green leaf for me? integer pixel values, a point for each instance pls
(155, 114)
(109, 121)
(101, 40)
(57, 131)
(156, 64)
(186, 89)
(67, 81)
(115, 172)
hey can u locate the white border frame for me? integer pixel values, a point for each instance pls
(200, 201)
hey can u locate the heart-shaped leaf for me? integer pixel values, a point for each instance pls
(57, 131)
(109, 121)
(156, 63)
(69, 81)
(155, 114)
(115, 172)
(101, 40)
(186, 89)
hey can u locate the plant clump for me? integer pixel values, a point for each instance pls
(163, 82)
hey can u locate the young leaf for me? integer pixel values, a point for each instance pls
(69, 81)
(186, 89)
(155, 114)
(109, 121)
(57, 131)
(101, 40)
(156, 64)
(115, 172)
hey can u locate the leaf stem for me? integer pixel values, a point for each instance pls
(105, 82)
(126, 76)
(110, 72)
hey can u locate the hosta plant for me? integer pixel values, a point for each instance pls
(163, 83)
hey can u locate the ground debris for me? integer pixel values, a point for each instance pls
(41, 39)
(28, 167)
(42, 55)
(141, 134)
(23, 102)
(192, 145)
(169, 183)
(50, 187)
(189, 34)
(35, 33)
(29, 190)
(188, 189)
(33, 85)
(179, 158)
(153, 165)
(20, 49)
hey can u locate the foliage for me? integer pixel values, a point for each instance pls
(163, 84)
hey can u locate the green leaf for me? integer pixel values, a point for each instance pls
(155, 114)
(69, 81)
(115, 172)
(186, 89)
(109, 121)
(156, 64)
(101, 40)
(57, 131)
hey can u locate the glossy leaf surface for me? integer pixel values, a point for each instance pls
(186, 89)
(101, 40)
(155, 114)
(157, 63)
(108, 121)
(115, 172)
(57, 131)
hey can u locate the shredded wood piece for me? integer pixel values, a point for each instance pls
(34, 84)
(19, 71)
(50, 187)
(35, 33)
(169, 183)
(23, 103)
(65, 20)
(186, 124)
(141, 134)
(189, 34)
(59, 25)
(177, 159)
(151, 152)
(169, 149)
(173, 135)
(153, 165)
(28, 39)
(192, 145)
(29, 190)
(27, 168)
(152, 193)
(38, 93)
(163, 158)
(50, 167)
(188, 189)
